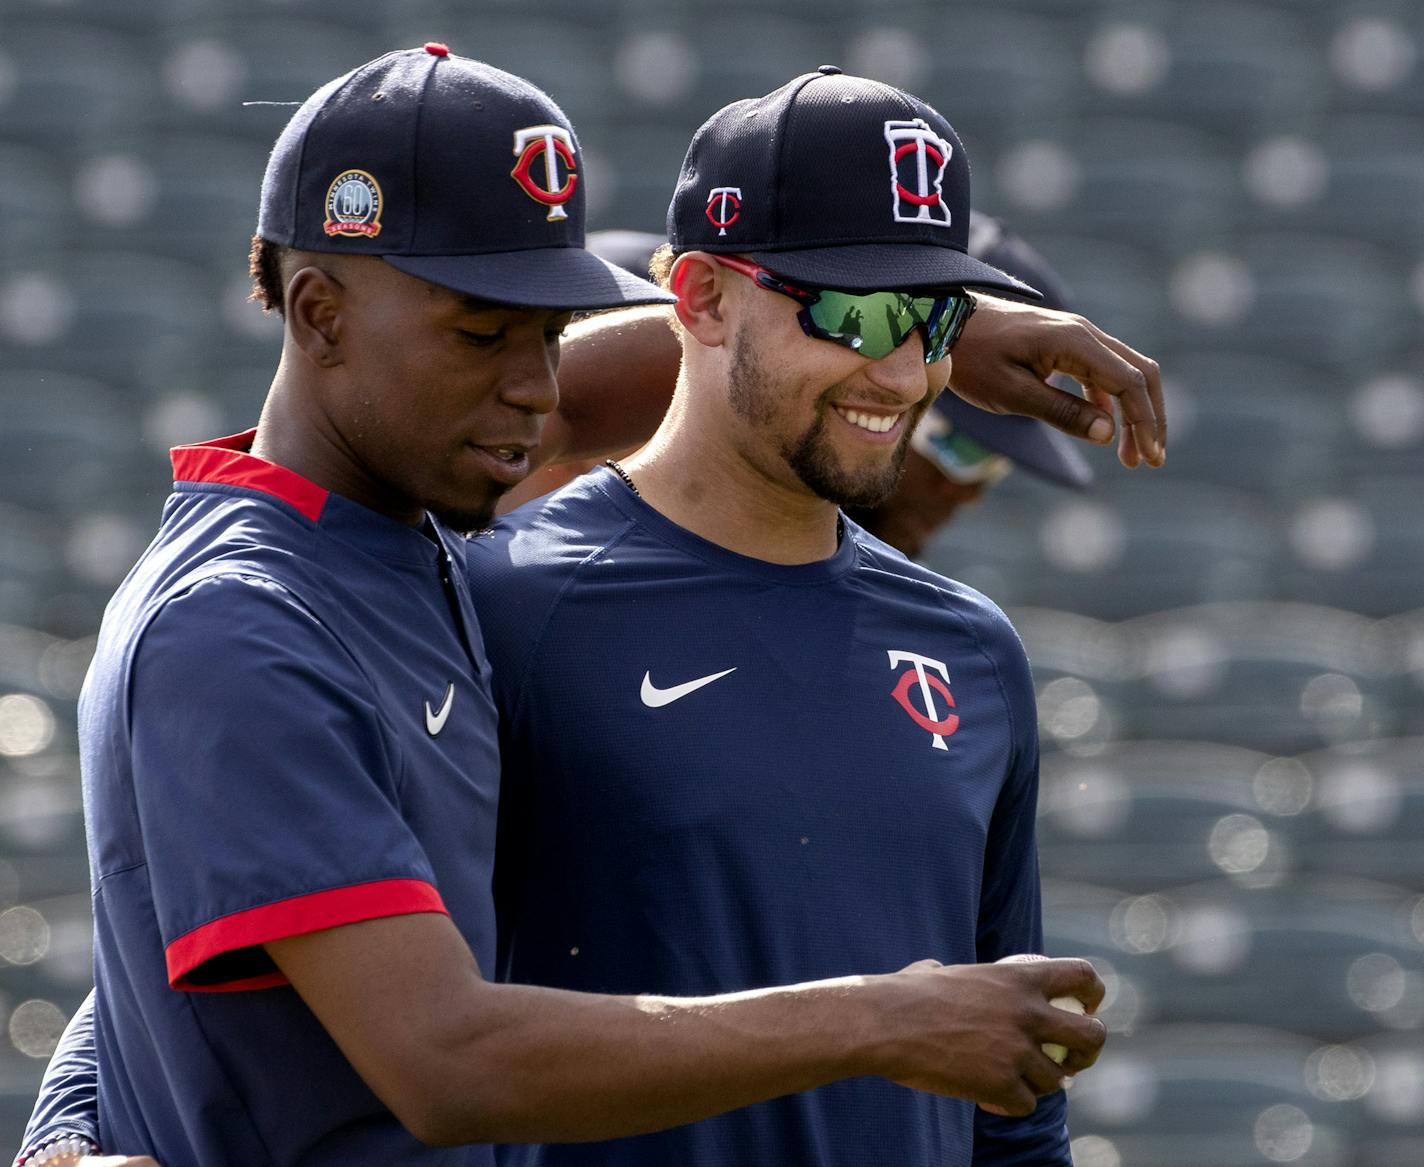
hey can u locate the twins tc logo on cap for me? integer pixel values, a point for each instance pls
(930, 680)
(724, 207)
(918, 157)
(556, 145)
(353, 205)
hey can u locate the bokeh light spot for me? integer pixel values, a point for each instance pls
(1283, 786)
(1213, 288)
(1141, 924)
(1375, 982)
(1284, 1133)
(657, 66)
(1039, 175)
(24, 935)
(1339, 1073)
(35, 1028)
(1332, 534)
(26, 725)
(1127, 59)
(1238, 843)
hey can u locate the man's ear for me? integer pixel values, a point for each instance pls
(696, 281)
(314, 300)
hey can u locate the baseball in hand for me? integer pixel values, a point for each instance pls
(1067, 1004)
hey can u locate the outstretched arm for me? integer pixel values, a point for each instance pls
(459, 1059)
(618, 370)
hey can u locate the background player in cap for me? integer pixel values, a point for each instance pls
(958, 450)
(748, 741)
(288, 739)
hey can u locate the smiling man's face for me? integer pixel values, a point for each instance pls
(817, 414)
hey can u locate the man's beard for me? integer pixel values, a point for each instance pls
(812, 456)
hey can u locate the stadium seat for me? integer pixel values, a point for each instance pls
(1256, 422)
(1339, 951)
(1394, 1100)
(1382, 575)
(1367, 816)
(998, 72)
(147, 322)
(1233, 69)
(1163, 186)
(1120, 287)
(72, 86)
(56, 420)
(281, 59)
(1186, 1095)
(1302, 280)
(1000, 553)
(1181, 543)
(1269, 676)
(1145, 815)
(1068, 644)
(205, 210)
(1399, 642)
(33, 554)
(36, 203)
(1374, 187)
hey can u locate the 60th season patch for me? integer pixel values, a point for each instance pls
(353, 205)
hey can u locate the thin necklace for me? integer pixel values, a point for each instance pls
(612, 464)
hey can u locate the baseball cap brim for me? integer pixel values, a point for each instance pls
(869, 267)
(1031, 445)
(539, 277)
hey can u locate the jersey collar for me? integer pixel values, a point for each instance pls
(227, 461)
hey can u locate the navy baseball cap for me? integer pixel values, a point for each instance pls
(1038, 448)
(452, 171)
(835, 181)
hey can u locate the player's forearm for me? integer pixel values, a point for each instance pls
(458, 1059)
(617, 372)
(543, 1065)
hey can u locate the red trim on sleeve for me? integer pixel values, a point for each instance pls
(293, 917)
(227, 460)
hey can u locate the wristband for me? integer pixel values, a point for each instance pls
(58, 1151)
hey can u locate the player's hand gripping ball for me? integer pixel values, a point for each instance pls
(1067, 1004)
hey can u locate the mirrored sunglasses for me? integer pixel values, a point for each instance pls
(874, 324)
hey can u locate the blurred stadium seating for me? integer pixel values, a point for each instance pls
(1229, 652)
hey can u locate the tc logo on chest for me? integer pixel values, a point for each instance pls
(929, 680)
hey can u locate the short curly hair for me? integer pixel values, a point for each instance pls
(264, 264)
(660, 265)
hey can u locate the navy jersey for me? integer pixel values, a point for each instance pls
(287, 727)
(722, 773)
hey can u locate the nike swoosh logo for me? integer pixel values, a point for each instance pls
(655, 698)
(435, 722)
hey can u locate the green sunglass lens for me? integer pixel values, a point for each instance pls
(882, 321)
(877, 323)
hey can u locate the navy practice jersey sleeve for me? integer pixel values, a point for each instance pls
(68, 1102)
(267, 794)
